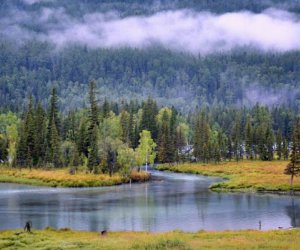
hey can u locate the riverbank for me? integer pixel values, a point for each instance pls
(67, 239)
(244, 176)
(62, 178)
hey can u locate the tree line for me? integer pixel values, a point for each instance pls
(110, 137)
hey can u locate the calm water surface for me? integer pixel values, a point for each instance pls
(171, 201)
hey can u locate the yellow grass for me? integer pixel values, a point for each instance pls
(67, 239)
(243, 175)
(62, 178)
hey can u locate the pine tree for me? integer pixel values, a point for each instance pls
(94, 110)
(249, 138)
(29, 133)
(93, 155)
(164, 140)
(149, 114)
(105, 109)
(25, 148)
(53, 115)
(21, 151)
(293, 168)
(39, 136)
(55, 145)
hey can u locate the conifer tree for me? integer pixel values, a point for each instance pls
(164, 140)
(39, 136)
(293, 168)
(93, 155)
(249, 138)
(149, 114)
(53, 114)
(55, 145)
(94, 110)
(105, 109)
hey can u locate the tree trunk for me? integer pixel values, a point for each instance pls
(292, 180)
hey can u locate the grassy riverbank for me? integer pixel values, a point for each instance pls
(62, 178)
(67, 239)
(242, 176)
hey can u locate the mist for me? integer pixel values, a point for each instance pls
(181, 30)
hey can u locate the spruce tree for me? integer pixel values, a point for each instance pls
(293, 168)
(149, 114)
(53, 114)
(55, 153)
(94, 110)
(39, 136)
(93, 155)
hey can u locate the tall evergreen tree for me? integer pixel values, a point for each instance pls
(53, 114)
(93, 155)
(293, 168)
(55, 154)
(149, 114)
(249, 138)
(94, 110)
(39, 136)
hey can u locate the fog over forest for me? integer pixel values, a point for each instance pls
(232, 52)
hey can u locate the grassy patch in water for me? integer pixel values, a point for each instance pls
(68, 239)
(242, 176)
(62, 178)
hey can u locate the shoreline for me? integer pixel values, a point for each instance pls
(62, 178)
(236, 179)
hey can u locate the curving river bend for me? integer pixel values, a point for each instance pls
(170, 201)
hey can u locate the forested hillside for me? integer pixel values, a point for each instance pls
(35, 57)
(185, 80)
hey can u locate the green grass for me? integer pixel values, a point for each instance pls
(67, 239)
(242, 176)
(62, 178)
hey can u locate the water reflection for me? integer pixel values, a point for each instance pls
(293, 211)
(172, 201)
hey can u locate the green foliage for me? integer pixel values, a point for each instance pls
(146, 149)
(293, 168)
(127, 159)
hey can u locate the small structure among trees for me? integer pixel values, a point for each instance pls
(293, 168)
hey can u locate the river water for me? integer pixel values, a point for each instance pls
(170, 201)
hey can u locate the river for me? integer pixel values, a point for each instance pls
(169, 202)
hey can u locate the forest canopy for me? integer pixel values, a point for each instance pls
(66, 44)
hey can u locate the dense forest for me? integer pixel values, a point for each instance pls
(185, 81)
(83, 103)
(32, 62)
(120, 136)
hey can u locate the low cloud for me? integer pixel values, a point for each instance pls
(182, 30)
(35, 1)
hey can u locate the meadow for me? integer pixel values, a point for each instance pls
(66, 239)
(63, 178)
(263, 176)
